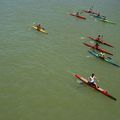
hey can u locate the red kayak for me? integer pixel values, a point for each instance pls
(80, 17)
(99, 49)
(96, 88)
(100, 41)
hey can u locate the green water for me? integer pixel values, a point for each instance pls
(36, 81)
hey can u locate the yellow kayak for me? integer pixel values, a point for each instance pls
(40, 30)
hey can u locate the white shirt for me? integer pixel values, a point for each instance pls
(92, 79)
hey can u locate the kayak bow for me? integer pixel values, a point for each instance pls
(40, 30)
(99, 49)
(107, 59)
(80, 17)
(100, 41)
(104, 92)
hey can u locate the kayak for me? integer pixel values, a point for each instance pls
(80, 17)
(107, 21)
(100, 41)
(98, 16)
(107, 59)
(99, 49)
(90, 12)
(104, 92)
(41, 30)
(102, 18)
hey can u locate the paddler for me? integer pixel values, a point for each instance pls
(102, 55)
(92, 79)
(98, 14)
(38, 27)
(77, 14)
(98, 37)
(97, 45)
(104, 17)
(91, 10)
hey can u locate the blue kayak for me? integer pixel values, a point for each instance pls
(103, 19)
(107, 59)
